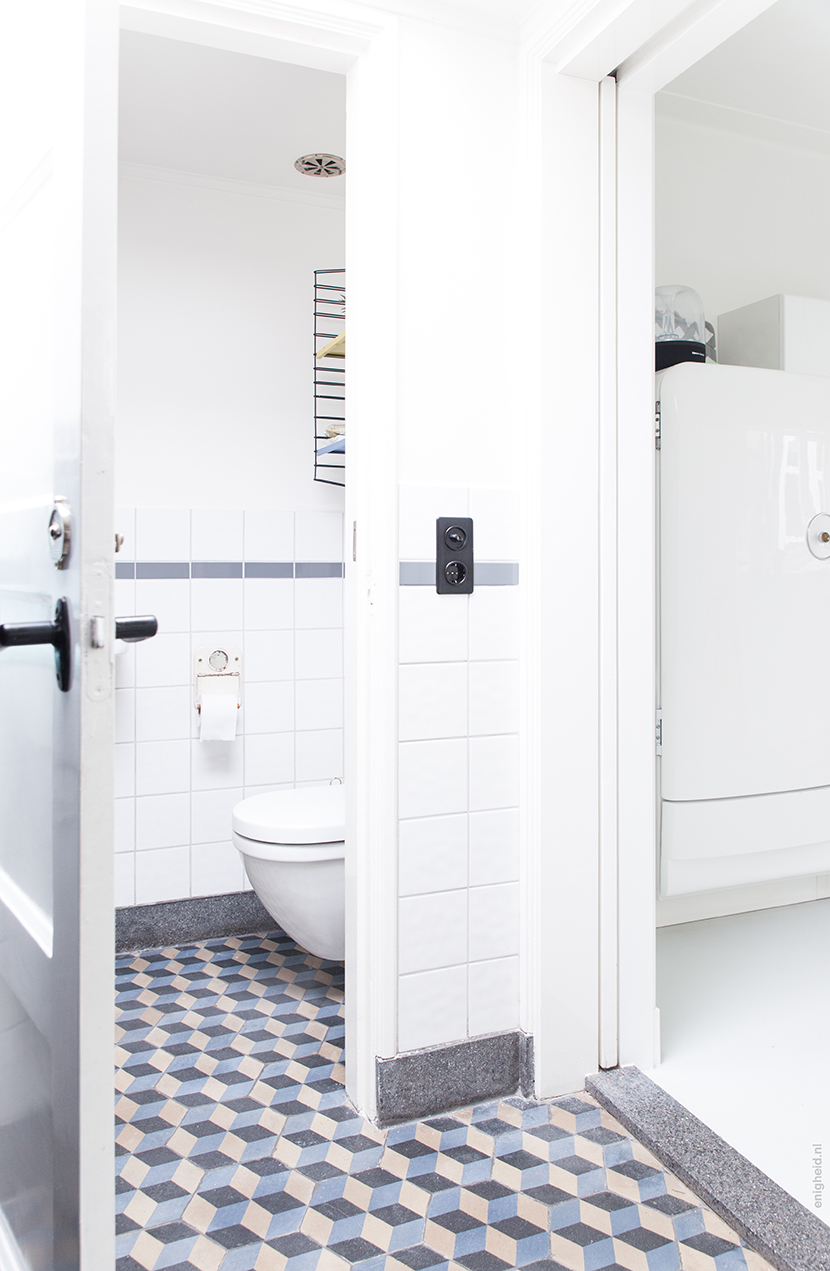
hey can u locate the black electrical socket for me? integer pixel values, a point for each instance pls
(454, 555)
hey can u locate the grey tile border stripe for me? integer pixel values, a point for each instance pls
(231, 569)
(417, 573)
(201, 918)
(269, 569)
(216, 569)
(486, 573)
(318, 569)
(424, 1082)
(496, 573)
(771, 1221)
(162, 569)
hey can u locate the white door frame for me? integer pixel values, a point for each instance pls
(612, 925)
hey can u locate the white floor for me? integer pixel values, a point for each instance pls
(745, 1020)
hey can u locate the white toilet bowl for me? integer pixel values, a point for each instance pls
(293, 846)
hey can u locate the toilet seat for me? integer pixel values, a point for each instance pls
(292, 825)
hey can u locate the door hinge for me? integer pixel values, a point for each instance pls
(658, 732)
(657, 426)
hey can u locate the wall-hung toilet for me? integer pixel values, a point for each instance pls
(293, 846)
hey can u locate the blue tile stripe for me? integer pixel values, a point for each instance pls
(227, 569)
(318, 569)
(216, 569)
(162, 569)
(269, 569)
(486, 573)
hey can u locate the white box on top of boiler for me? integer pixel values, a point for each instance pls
(781, 333)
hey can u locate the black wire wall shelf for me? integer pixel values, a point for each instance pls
(330, 376)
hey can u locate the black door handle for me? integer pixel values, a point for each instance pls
(56, 633)
(134, 629)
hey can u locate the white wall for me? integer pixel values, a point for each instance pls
(459, 905)
(739, 217)
(175, 793)
(214, 461)
(215, 406)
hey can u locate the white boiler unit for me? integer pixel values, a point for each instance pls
(744, 626)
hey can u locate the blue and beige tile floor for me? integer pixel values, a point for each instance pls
(237, 1149)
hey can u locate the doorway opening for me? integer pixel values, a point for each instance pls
(228, 536)
(741, 175)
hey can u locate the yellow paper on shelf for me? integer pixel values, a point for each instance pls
(335, 347)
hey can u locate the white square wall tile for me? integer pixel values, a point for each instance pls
(162, 875)
(494, 697)
(419, 506)
(432, 628)
(278, 785)
(124, 770)
(318, 536)
(493, 996)
(432, 931)
(163, 714)
(318, 602)
(162, 767)
(494, 772)
(216, 604)
(497, 524)
(125, 526)
(162, 534)
(210, 814)
(162, 820)
(432, 700)
(432, 778)
(319, 755)
(494, 623)
(268, 655)
(124, 714)
(269, 536)
(269, 603)
(217, 765)
(269, 759)
(319, 704)
(215, 535)
(494, 921)
(124, 880)
(124, 825)
(215, 869)
(494, 847)
(125, 662)
(318, 654)
(123, 597)
(168, 599)
(163, 661)
(269, 707)
(432, 1008)
(432, 854)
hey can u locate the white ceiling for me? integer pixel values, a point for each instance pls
(228, 115)
(775, 67)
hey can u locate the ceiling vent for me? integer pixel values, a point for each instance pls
(320, 165)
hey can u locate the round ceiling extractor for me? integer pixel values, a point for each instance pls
(320, 165)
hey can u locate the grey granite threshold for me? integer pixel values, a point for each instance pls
(421, 1083)
(771, 1221)
(175, 922)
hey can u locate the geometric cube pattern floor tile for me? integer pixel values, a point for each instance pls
(237, 1148)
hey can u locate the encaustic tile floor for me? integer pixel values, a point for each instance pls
(237, 1149)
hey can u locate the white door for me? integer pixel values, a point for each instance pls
(58, 61)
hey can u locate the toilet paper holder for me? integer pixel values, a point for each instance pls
(217, 669)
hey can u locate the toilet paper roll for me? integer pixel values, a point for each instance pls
(218, 717)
